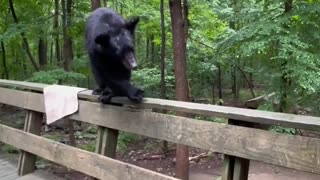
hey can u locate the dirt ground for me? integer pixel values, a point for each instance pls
(147, 153)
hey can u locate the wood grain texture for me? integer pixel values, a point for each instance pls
(296, 152)
(236, 168)
(40, 175)
(89, 163)
(107, 139)
(27, 161)
(241, 169)
(257, 116)
(227, 168)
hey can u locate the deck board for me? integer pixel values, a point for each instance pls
(8, 170)
(8, 167)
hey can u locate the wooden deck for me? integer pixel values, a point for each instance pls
(8, 167)
(8, 170)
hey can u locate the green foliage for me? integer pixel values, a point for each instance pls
(89, 146)
(284, 130)
(149, 80)
(57, 76)
(54, 137)
(9, 149)
(273, 38)
(126, 138)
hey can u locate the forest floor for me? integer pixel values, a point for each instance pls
(147, 153)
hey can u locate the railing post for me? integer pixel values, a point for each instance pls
(27, 161)
(107, 140)
(236, 168)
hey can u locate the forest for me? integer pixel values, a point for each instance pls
(207, 51)
(234, 50)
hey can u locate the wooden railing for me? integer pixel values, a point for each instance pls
(239, 143)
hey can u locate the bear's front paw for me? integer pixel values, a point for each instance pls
(137, 96)
(97, 91)
(105, 99)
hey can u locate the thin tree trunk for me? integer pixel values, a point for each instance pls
(181, 80)
(56, 35)
(67, 57)
(285, 81)
(147, 49)
(152, 48)
(42, 51)
(67, 45)
(4, 61)
(24, 39)
(51, 54)
(219, 83)
(162, 65)
(185, 17)
(234, 83)
(96, 4)
(213, 92)
(105, 3)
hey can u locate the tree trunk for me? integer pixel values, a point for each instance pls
(56, 29)
(67, 44)
(96, 4)
(67, 56)
(147, 48)
(152, 48)
(219, 83)
(105, 3)
(24, 39)
(234, 83)
(162, 65)
(285, 81)
(181, 80)
(4, 61)
(185, 17)
(42, 51)
(51, 54)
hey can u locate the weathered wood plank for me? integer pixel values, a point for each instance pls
(296, 152)
(89, 163)
(39, 175)
(236, 168)
(11, 176)
(8, 169)
(257, 116)
(109, 145)
(22, 99)
(241, 169)
(228, 166)
(107, 139)
(27, 161)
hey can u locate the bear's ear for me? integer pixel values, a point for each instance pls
(102, 39)
(132, 23)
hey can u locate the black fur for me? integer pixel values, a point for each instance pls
(109, 39)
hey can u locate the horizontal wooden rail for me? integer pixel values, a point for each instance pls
(92, 164)
(256, 116)
(301, 153)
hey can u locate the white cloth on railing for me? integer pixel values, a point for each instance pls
(60, 101)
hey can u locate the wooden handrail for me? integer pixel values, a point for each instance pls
(296, 152)
(255, 116)
(95, 165)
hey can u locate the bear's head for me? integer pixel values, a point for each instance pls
(119, 41)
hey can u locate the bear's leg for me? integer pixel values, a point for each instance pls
(106, 95)
(98, 76)
(133, 93)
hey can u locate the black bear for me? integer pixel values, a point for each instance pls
(109, 40)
